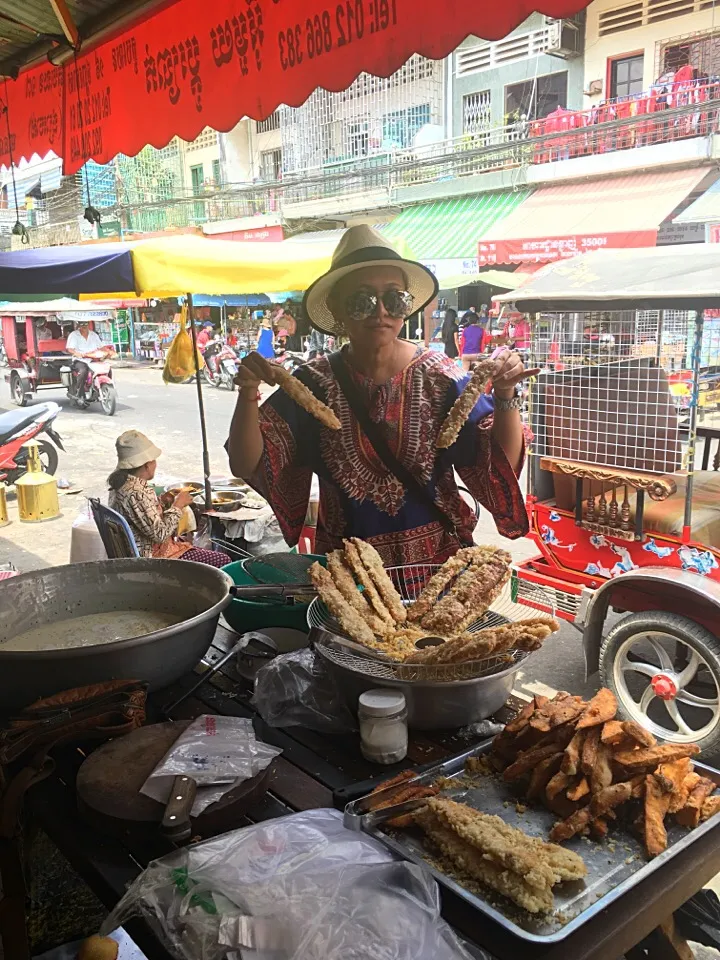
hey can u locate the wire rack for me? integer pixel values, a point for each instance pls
(410, 581)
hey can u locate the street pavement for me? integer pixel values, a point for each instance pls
(169, 416)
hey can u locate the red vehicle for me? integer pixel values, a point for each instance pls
(35, 346)
(19, 426)
(624, 481)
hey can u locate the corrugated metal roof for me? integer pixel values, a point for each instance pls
(450, 229)
(706, 209)
(631, 203)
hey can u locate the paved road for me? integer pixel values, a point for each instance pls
(169, 415)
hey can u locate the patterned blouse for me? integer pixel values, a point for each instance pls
(358, 494)
(137, 501)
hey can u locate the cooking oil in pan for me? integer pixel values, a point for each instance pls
(89, 630)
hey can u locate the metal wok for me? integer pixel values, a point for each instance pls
(194, 592)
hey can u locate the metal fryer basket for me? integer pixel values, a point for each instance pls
(410, 581)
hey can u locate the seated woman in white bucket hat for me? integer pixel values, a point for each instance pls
(412, 513)
(154, 525)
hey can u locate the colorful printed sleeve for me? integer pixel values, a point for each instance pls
(482, 466)
(291, 454)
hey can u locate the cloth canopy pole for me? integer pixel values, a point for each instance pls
(201, 406)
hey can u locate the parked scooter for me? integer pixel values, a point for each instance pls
(221, 365)
(19, 426)
(99, 384)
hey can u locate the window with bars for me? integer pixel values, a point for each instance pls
(400, 126)
(271, 164)
(357, 140)
(700, 50)
(217, 173)
(271, 123)
(476, 112)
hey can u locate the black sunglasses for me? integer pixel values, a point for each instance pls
(361, 305)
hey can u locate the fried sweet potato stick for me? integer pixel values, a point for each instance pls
(521, 719)
(639, 734)
(590, 749)
(612, 732)
(557, 785)
(601, 708)
(384, 585)
(575, 823)
(527, 760)
(689, 816)
(573, 753)
(606, 800)
(656, 806)
(678, 800)
(580, 790)
(304, 397)
(465, 403)
(652, 756)
(602, 775)
(542, 774)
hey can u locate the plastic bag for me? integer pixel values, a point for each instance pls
(296, 690)
(179, 362)
(214, 750)
(322, 893)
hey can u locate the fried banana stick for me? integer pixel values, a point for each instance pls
(345, 583)
(352, 555)
(439, 581)
(384, 585)
(305, 398)
(471, 594)
(348, 618)
(463, 406)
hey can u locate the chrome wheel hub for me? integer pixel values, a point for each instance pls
(667, 686)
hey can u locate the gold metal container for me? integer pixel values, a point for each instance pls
(36, 491)
(4, 518)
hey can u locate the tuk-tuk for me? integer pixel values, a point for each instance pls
(624, 474)
(35, 337)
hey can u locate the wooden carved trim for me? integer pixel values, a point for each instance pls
(656, 487)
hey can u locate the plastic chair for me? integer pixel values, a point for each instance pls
(114, 531)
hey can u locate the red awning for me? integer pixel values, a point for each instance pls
(559, 222)
(199, 63)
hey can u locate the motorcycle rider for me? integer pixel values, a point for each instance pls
(81, 343)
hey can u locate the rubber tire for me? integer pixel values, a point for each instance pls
(107, 390)
(685, 629)
(16, 382)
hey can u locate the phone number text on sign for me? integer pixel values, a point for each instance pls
(334, 28)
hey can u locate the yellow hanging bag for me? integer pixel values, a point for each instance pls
(179, 363)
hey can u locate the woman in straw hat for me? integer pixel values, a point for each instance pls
(154, 521)
(381, 477)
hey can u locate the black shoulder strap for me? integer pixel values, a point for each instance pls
(374, 435)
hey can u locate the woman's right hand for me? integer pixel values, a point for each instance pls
(182, 500)
(253, 371)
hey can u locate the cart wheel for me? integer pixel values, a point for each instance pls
(664, 670)
(108, 398)
(18, 391)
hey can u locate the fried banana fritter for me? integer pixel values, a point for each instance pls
(305, 398)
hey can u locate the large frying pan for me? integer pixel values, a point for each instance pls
(197, 593)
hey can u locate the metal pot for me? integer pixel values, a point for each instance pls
(195, 592)
(431, 706)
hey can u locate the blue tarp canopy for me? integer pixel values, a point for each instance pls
(104, 268)
(231, 300)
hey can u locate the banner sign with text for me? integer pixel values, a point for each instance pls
(200, 63)
(551, 249)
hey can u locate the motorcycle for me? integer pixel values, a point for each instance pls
(221, 364)
(19, 426)
(99, 384)
(288, 360)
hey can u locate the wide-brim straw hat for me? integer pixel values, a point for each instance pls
(134, 449)
(360, 247)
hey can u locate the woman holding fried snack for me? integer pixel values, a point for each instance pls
(382, 477)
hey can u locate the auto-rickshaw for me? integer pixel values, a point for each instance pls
(624, 476)
(34, 337)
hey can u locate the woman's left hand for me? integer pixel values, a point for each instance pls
(509, 371)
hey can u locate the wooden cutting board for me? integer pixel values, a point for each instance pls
(108, 785)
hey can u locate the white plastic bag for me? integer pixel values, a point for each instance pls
(217, 752)
(326, 892)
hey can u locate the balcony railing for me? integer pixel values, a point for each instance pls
(584, 134)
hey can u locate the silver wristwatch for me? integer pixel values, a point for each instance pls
(515, 403)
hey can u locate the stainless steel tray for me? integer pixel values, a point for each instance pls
(615, 865)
